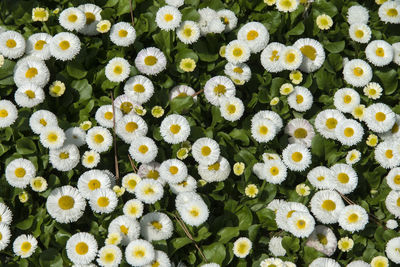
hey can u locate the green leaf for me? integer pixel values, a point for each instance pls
(179, 242)
(227, 233)
(291, 243)
(76, 70)
(215, 252)
(334, 47)
(297, 30)
(190, 13)
(245, 218)
(181, 104)
(124, 6)
(240, 134)
(84, 89)
(25, 146)
(389, 80)
(26, 224)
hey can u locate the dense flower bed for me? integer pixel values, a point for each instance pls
(199, 133)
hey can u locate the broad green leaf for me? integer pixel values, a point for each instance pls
(389, 80)
(25, 146)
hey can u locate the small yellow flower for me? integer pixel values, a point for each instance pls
(141, 111)
(380, 2)
(296, 76)
(251, 190)
(56, 11)
(345, 244)
(270, 2)
(113, 239)
(187, 64)
(40, 14)
(238, 168)
(324, 22)
(182, 153)
(302, 190)
(86, 125)
(379, 261)
(1, 60)
(118, 190)
(372, 140)
(274, 101)
(237, 81)
(222, 51)
(358, 112)
(103, 26)
(353, 156)
(23, 197)
(286, 89)
(38, 184)
(57, 89)
(157, 111)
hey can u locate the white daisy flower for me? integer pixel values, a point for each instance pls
(128, 228)
(300, 131)
(379, 53)
(139, 252)
(396, 51)
(38, 45)
(75, 136)
(291, 58)
(263, 130)
(237, 52)
(161, 258)
(273, 171)
(326, 262)
(386, 155)
(91, 180)
(296, 157)
(209, 21)
(301, 224)
(52, 137)
(150, 61)
(175, 129)
(188, 32)
(125, 104)
(287, 5)
(65, 46)
(379, 117)
(93, 17)
(326, 206)
(25, 245)
(5, 215)
(357, 72)
(182, 91)
(353, 156)
(41, 119)
(392, 249)
(327, 121)
(156, 226)
(122, 34)
(321, 177)
(323, 239)
(131, 126)
(173, 171)
(231, 108)
(133, 208)
(357, 14)
(5, 234)
(218, 87)
(175, 3)
(149, 191)
(255, 35)
(19, 172)
(389, 12)
(393, 179)
(238, 71)
(64, 158)
(99, 139)
(229, 18)
(205, 151)
(8, 113)
(12, 44)
(109, 256)
(168, 18)
(217, 172)
(358, 263)
(275, 246)
(271, 262)
(143, 150)
(313, 54)
(117, 69)
(187, 185)
(301, 99)
(129, 182)
(270, 115)
(241, 247)
(81, 248)
(344, 177)
(346, 99)
(90, 159)
(353, 218)
(29, 95)
(72, 19)
(392, 203)
(270, 57)
(139, 88)
(149, 170)
(105, 115)
(275, 204)
(192, 209)
(103, 200)
(349, 132)
(373, 90)
(65, 204)
(360, 32)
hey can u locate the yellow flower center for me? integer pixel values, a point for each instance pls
(274, 55)
(139, 88)
(380, 116)
(389, 153)
(187, 32)
(353, 218)
(109, 257)
(205, 151)
(380, 52)
(320, 178)
(52, 137)
(64, 45)
(150, 60)
(300, 133)
(331, 123)
(40, 44)
(237, 52)
(31, 72)
(301, 224)
(139, 253)
(286, 3)
(66, 202)
(103, 202)
(175, 128)
(347, 99)
(173, 170)
(90, 18)
(20, 172)
(118, 69)
(242, 248)
(343, 178)
(156, 225)
(274, 171)
(220, 89)
(131, 126)
(40, 13)
(98, 139)
(148, 190)
(231, 109)
(90, 159)
(168, 17)
(132, 184)
(322, 239)
(3, 113)
(64, 155)
(94, 184)
(26, 246)
(297, 156)
(348, 132)
(108, 115)
(299, 99)
(290, 57)
(30, 94)
(155, 264)
(392, 12)
(81, 248)
(124, 229)
(263, 130)
(214, 167)
(328, 205)
(72, 18)
(396, 179)
(238, 70)
(194, 212)
(143, 149)
(251, 35)
(126, 107)
(358, 71)
(309, 51)
(153, 174)
(359, 34)
(122, 33)
(11, 43)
